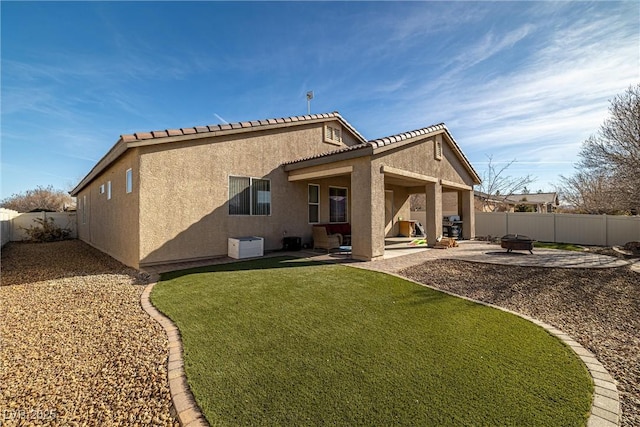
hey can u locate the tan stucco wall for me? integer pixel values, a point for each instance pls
(111, 225)
(418, 157)
(184, 192)
(401, 206)
(450, 203)
(367, 221)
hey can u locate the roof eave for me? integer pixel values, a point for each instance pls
(361, 151)
(118, 149)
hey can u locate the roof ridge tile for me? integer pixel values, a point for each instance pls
(143, 135)
(138, 136)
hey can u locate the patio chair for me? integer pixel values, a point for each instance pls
(323, 240)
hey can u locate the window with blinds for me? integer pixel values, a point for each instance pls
(249, 196)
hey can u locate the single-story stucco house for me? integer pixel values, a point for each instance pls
(179, 194)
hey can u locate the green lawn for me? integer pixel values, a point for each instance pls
(563, 246)
(289, 342)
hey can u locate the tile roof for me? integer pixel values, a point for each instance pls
(330, 153)
(375, 143)
(142, 136)
(389, 140)
(123, 143)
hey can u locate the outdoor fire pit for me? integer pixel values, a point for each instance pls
(517, 242)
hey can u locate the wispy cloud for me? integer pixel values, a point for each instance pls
(490, 45)
(538, 109)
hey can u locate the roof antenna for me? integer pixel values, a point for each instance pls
(309, 98)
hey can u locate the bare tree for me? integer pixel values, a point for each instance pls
(607, 179)
(497, 186)
(589, 193)
(39, 198)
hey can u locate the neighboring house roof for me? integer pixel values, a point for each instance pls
(183, 134)
(534, 198)
(376, 144)
(531, 198)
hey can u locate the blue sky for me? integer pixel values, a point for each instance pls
(512, 80)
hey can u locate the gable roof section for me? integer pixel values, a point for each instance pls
(185, 134)
(380, 144)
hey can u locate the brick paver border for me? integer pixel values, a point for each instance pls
(185, 406)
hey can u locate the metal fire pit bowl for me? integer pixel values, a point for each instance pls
(517, 242)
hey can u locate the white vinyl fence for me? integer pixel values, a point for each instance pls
(14, 223)
(6, 215)
(596, 230)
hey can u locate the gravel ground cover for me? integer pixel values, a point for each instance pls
(599, 308)
(76, 348)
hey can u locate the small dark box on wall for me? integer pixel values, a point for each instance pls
(291, 243)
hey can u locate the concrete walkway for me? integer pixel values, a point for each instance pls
(399, 258)
(605, 410)
(489, 253)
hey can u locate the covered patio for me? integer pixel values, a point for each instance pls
(378, 179)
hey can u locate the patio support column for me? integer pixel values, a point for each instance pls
(434, 211)
(466, 204)
(367, 211)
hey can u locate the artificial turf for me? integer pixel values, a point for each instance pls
(290, 342)
(563, 246)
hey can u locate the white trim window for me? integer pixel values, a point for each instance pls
(101, 189)
(338, 197)
(313, 199)
(129, 180)
(108, 190)
(249, 196)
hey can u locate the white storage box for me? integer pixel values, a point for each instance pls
(245, 247)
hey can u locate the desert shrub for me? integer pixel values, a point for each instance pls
(46, 230)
